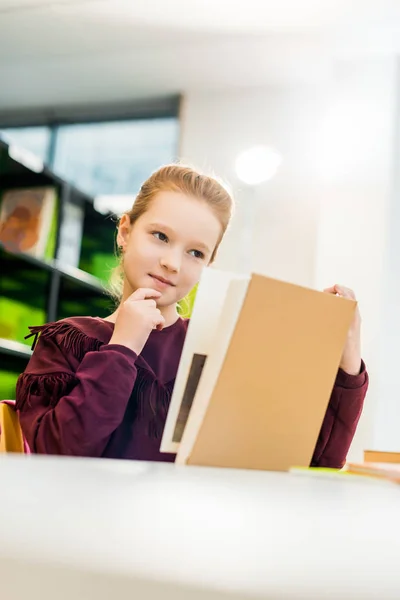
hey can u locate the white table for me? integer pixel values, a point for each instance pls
(102, 529)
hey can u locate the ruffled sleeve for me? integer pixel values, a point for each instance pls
(74, 392)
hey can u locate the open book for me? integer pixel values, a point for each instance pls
(256, 373)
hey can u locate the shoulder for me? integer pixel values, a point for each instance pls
(93, 327)
(184, 324)
(59, 348)
(75, 335)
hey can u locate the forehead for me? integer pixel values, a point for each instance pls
(187, 216)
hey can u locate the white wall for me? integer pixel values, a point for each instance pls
(387, 418)
(324, 218)
(353, 246)
(216, 126)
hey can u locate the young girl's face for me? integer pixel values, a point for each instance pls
(169, 245)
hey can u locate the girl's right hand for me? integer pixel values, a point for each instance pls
(136, 318)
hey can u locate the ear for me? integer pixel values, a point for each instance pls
(124, 230)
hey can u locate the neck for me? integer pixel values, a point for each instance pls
(170, 314)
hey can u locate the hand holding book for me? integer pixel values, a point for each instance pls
(350, 362)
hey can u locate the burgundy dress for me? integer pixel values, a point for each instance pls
(81, 396)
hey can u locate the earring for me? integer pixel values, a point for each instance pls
(120, 249)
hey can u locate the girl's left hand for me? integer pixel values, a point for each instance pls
(351, 357)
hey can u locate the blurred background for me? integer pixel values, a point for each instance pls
(96, 94)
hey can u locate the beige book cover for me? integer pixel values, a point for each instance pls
(266, 382)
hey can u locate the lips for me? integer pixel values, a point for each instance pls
(162, 280)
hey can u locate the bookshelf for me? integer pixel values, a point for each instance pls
(16, 349)
(68, 282)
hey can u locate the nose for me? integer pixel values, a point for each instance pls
(171, 260)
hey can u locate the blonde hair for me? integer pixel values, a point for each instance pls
(184, 179)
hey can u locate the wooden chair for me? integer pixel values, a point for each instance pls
(11, 436)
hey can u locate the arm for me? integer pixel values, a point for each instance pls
(71, 411)
(341, 419)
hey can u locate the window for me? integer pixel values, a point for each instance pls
(102, 158)
(114, 157)
(34, 139)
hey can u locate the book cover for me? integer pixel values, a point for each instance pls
(271, 352)
(27, 221)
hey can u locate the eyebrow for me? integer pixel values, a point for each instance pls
(168, 229)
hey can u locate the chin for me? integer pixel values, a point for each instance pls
(165, 300)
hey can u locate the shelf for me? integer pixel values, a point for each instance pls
(73, 273)
(25, 284)
(48, 265)
(15, 348)
(80, 277)
(79, 300)
(34, 291)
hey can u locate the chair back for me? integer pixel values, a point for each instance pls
(11, 436)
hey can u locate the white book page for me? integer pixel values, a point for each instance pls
(207, 310)
(227, 323)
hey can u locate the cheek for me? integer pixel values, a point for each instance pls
(134, 263)
(191, 273)
(140, 251)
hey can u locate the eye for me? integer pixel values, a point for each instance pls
(196, 253)
(159, 235)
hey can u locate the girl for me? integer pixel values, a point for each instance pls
(101, 387)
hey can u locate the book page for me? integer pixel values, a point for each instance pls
(207, 310)
(233, 305)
